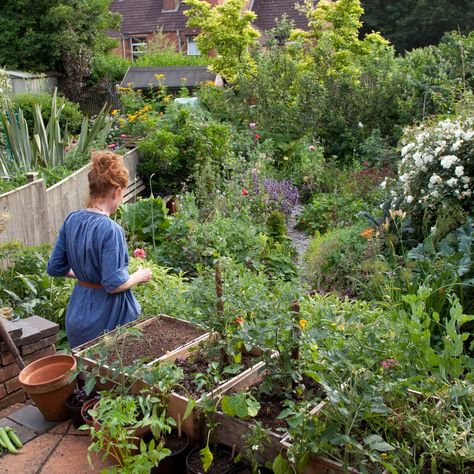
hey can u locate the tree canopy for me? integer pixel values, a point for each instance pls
(54, 35)
(411, 24)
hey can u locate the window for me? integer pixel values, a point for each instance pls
(137, 46)
(193, 49)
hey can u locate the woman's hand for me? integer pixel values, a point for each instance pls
(142, 275)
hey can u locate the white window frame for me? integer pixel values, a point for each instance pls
(192, 47)
(138, 46)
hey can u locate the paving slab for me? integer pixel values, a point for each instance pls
(70, 456)
(43, 326)
(32, 456)
(61, 429)
(31, 417)
(24, 433)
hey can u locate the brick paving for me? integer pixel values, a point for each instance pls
(49, 447)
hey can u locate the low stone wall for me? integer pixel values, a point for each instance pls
(35, 338)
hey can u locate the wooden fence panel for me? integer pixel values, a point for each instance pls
(25, 214)
(33, 214)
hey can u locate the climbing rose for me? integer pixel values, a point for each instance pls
(139, 253)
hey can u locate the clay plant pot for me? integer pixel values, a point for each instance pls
(85, 411)
(49, 382)
(176, 461)
(223, 462)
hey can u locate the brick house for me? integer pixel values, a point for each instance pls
(142, 18)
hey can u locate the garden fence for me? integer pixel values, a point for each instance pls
(33, 214)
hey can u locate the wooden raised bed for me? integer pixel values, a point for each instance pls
(191, 336)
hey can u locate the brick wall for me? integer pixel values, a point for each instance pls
(35, 338)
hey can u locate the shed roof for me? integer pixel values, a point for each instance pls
(24, 75)
(144, 77)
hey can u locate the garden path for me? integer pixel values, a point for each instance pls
(299, 239)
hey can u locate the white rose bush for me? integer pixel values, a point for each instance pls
(437, 165)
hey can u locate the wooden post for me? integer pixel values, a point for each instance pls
(31, 176)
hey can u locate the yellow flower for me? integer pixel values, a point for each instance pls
(132, 118)
(158, 77)
(285, 158)
(367, 233)
(167, 99)
(303, 323)
(114, 112)
(340, 327)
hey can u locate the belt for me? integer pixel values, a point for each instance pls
(95, 286)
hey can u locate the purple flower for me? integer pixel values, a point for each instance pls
(252, 125)
(280, 195)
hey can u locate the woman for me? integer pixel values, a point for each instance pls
(91, 247)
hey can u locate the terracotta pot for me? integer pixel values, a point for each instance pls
(49, 382)
(87, 406)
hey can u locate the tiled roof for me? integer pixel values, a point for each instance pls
(269, 10)
(146, 16)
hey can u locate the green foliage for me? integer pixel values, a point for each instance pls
(70, 115)
(109, 66)
(226, 29)
(412, 24)
(145, 220)
(337, 259)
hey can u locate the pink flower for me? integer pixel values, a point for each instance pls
(387, 363)
(252, 125)
(139, 253)
(244, 192)
(366, 163)
(257, 136)
(123, 135)
(113, 146)
(312, 148)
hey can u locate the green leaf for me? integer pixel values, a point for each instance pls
(280, 465)
(206, 457)
(377, 443)
(189, 408)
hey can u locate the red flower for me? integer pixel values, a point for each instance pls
(239, 320)
(244, 192)
(387, 363)
(139, 253)
(257, 136)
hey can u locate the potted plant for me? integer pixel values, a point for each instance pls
(75, 404)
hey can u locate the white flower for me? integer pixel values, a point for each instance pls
(433, 229)
(407, 148)
(435, 179)
(409, 199)
(361, 125)
(452, 182)
(459, 171)
(403, 178)
(468, 135)
(448, 160)
(383, 184)
(456, 145)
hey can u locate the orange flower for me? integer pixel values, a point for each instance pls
(239, 320)
(303, 323)
(367, 233)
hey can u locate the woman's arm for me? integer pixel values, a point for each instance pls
(142, 275)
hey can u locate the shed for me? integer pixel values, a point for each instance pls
(22, 82)
(173, 77)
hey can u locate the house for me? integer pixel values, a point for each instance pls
(141, 19)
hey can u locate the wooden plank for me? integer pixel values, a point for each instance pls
(24, 214)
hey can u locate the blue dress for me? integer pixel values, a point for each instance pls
(94, 247)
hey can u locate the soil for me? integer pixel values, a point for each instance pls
(199, 363)
(176, 444)
(160, 335)
(221, 463)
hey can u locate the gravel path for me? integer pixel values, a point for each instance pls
(300, 239)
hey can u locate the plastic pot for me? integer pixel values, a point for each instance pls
(49, 382)
(75, 412)
(221, 453)
(175, 463)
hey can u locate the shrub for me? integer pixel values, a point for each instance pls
(437, 168)
(111, 67)
(71, 113)
(337, 260)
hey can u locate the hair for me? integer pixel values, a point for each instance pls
(107, 174)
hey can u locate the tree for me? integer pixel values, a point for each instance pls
(412, 24)
(226, 30)
(55, 35)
